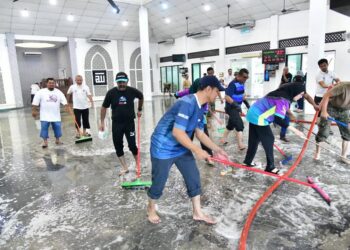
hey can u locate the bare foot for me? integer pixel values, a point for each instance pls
(123, 172)
(316, 156)
(205, 218)
(153, 216)
(345, 160)
(44, 145)
(59, 143)
(241, 147)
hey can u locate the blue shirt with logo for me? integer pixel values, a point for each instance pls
(186, 115)
(235, 90)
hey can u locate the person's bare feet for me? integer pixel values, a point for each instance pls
(205, 218)
(152, 215)
(123, 172)
(58, 142)
(317, 155)
(44, 145)
(241, 147)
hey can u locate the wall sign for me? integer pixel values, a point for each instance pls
(273, 56)
(99, 77)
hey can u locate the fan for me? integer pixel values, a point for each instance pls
(228, 16)
(289, 10)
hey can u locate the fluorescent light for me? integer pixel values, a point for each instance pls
(35, 45)
(206, 7)
(25, 13)
(70, 18)
(167, 20)
(53, 2)
(125, 23)
(164, 6)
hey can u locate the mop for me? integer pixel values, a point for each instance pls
(287, 158)
(138, 184)
(82, 138)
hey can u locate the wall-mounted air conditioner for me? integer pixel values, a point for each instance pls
(97, 40)
(32, 53)
(246, 24)
(198, 34)
(167, 41)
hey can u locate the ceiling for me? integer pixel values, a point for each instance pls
(95, 18)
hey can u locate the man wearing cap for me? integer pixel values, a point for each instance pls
(121, 100)
(171, 144)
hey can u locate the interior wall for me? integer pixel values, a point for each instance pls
(6, 88)
(63, 60)
(33, 68)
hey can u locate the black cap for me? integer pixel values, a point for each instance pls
(121, 77)
(211, 81)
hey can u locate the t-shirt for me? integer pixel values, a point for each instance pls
(34, 88)
(289, 78)
(49, 102)
(229, 79)
(235, 90)
(186, 114)
(80, 94)
(341, 96)
(263, 111)
(122, 103)
(186, 84)
(327, 78)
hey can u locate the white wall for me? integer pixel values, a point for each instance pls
(63, 61)
(6, 75)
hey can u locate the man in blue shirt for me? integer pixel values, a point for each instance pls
(171, 144)
(234, 98)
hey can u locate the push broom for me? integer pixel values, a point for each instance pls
(82, 138)
(138, 184)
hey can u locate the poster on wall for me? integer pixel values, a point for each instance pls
(99, 77)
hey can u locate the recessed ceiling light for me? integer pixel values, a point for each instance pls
(35, 45)
(206, 7)
(25, 13)
(167, 20)
(114, 10)
(53, 2)
(70, 18)
(125, 23)
(164, 6)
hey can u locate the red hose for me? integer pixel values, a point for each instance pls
(263, 198)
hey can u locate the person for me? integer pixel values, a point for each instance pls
(49, 100)
(34, 88)
(336, 104)
(81, 93)
(300, 77)
(286, 76)
(229, 78)
(271, 108)
(234, 99)
(325, 79)
(121, 100)
(290, 116)
(171, 144)
(186, 83)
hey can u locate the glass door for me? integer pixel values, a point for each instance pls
(196, 71)
(294, 63)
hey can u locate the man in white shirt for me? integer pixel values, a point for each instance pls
(229, 77)
(325, 78)
(49, 100)
(81, 93)
(34, 88)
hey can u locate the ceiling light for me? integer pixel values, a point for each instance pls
(35, 45)
(206, 7)
(53, 2)
(167, 20)
(25, 13)
(114, 10)
(70, 18)
(164, 6)
(125, 23)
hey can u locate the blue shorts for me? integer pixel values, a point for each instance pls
(44, 132)
(186, 164)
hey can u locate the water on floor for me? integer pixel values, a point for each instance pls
(69, 196)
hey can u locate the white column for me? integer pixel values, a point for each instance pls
(144, 42)
(16, 82)
(317, 30)
(274, 32)
(274, 37)
(220, 63)
(73, 57)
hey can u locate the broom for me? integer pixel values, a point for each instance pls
(138, 184)
(82, 138)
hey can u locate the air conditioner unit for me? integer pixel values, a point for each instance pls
(198, 34)
(98, 40)
(167, 41)
(32, 53)
(246, 24)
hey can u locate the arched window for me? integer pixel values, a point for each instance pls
(136, 70)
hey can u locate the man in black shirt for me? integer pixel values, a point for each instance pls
(286, 76)
(121, 100)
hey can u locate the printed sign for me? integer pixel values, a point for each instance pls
(99, 77)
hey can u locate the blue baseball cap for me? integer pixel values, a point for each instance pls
(121, 77)
(211, 81)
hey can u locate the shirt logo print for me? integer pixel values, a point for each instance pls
(122, 100)
(52, 98)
